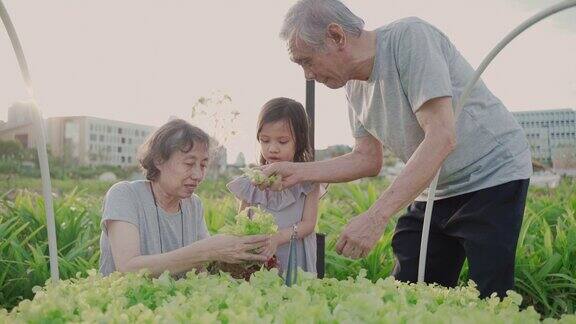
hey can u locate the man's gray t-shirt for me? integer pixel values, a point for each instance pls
(132, 202)
(414, 63)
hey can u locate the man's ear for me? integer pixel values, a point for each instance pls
(336, 34)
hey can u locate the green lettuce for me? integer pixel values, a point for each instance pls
(258, 177)
(261, 222)
(203, 298)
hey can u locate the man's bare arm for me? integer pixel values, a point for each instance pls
(365, 160)
(436, 118)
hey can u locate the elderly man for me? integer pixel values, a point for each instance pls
(402, 81)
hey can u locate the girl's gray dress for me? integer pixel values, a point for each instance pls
(287, 206)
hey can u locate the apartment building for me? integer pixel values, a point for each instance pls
(96, 141)
(549, 132)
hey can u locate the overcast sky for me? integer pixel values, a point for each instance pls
(143, 61)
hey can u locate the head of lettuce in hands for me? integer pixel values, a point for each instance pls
(250, 221)
(259, 179)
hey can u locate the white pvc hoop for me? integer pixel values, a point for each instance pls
(465, 94)
(40, 144)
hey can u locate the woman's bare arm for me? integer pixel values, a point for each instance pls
(125, 244)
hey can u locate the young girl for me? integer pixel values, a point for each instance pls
(283, 136)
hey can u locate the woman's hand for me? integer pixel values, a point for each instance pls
(235, 249)
(269, 250)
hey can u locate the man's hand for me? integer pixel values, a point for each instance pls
(290, 173)
(361, 235)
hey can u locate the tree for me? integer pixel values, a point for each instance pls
(11, 150)
(240, 160)
(216, 116)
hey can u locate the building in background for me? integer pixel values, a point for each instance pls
(78, 140)
(84, 140)
(19, 126)
(20, 113)
(87, 140)
(551, 134)
(20, 133)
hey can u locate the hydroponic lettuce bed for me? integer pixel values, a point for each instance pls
(137, 298)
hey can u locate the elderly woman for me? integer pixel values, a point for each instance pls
(158, 224)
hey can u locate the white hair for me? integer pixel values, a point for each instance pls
(308, 20)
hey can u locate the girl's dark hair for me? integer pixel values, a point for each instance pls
(293, 112)
(175, 135)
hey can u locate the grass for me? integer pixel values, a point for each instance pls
(24, 247)
(546, 254)
(9, 185)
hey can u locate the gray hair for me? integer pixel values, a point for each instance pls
(175, 135)
(308, 20)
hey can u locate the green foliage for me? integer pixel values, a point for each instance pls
(13, 156)
(92, 189)
(260, 222)
(137, 298)
(259, 178)
(546, 257)
(11, 150)
(545, 264)
(24, 244)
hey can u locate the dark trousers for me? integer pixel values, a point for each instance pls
(482, 226)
